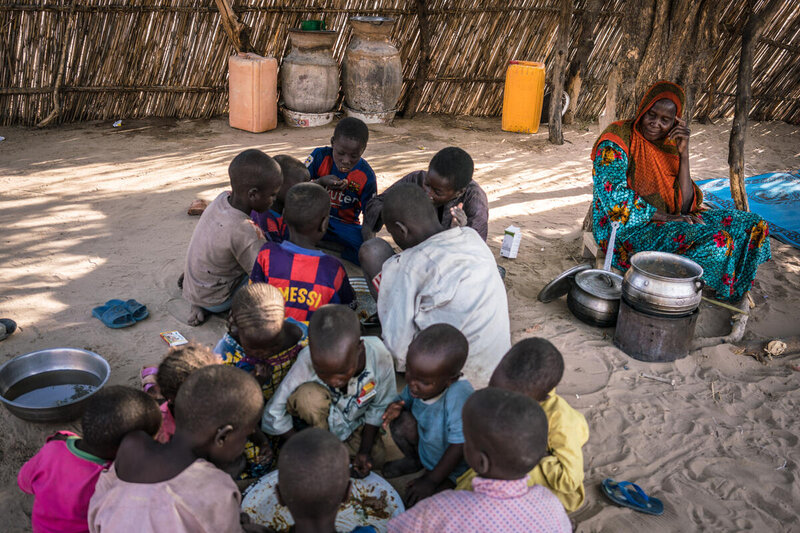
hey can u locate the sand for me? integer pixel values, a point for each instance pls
(89, 212)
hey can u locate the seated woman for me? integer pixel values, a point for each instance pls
(641, 179)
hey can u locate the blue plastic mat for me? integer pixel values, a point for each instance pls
(774, 196)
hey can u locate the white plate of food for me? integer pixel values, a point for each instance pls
(373, 501)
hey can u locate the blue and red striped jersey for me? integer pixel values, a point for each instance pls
(307, 278)
(271, 223)
(346, 205)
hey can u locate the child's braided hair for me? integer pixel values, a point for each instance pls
(179, 363)
(258, 306)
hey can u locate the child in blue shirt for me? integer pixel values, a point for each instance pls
(349, 180)
(425, 422)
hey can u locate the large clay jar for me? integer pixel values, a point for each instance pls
(310, 75)
(372, 74)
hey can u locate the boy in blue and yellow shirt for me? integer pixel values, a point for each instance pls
(349, 180)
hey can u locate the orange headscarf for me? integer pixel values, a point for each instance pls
(652, 165)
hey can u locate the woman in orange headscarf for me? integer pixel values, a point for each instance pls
(641, 179)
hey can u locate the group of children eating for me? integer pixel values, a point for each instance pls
(296, 384)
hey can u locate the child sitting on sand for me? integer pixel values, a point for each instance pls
(177, 487)
(314, 454)
(458, 199)
(262, 342)
(307, 277)
(534, 367)
(349, 180)
(342, 383)
(63, 474)
(260, 339)
(226, 241)
(271, 221)
(172, 372)
(425, 421)
(505, 437)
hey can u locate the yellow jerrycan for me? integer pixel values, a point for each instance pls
(522, 99)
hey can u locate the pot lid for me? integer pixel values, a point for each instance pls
(601, 283)
(561, 284)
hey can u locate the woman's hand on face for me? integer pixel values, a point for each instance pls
(680, 134)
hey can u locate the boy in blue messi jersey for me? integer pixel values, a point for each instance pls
(307, 277)
(349, 180)
(271, 222)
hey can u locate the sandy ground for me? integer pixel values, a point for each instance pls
(90, 212)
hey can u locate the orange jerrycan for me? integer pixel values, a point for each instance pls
(253, 92)
(522, 99)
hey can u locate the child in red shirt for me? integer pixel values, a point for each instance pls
(349, 180)
(307, 277)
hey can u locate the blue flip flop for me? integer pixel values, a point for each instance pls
(113, 316)
(638, 500)
(138, 311)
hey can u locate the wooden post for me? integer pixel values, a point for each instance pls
(238, 33)
(423, 60)
(556, 136)
(744, 95)
(68, 26)
(578, 64)
(610, 113)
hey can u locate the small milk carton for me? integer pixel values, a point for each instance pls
(510, 245)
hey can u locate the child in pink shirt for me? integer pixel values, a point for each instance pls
(505, 437)
(177, 487)
(172, 372)
(62, 475)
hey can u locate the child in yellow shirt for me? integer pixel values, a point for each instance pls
(534, 367)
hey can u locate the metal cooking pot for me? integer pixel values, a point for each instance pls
(663, 283)
(594, 297)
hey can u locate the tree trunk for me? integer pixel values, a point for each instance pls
(238, 33)
(744, 96)
(609, 115)
(556, 136)
(423, 60)
(636, 31)
(578, 64)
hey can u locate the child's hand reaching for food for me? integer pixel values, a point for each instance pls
(331, 182)
(419, 489)
(264, 449)
(459, 216)
(392, 412)
(362, 464)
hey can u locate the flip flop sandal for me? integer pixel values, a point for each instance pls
(638, 500)
(9, 327)
(113, 316)
(137, 310)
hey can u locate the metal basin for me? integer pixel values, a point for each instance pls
(52, 385)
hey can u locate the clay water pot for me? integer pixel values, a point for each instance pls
(309, 74)
(372, 76)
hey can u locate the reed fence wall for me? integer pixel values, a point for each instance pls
(139, 58)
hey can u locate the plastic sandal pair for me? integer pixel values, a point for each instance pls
(638, 500)
(118, 314)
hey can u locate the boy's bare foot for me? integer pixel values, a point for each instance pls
(197, 315)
